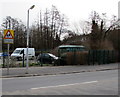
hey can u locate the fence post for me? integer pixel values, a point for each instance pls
(88, 58)
(99, 57)
(112, 56)
(58, 57)
(74, 58)
(41, 63)
(107, 56)
(3, 61)
(93, 57)
(103, 56)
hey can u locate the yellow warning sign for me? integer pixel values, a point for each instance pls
(8, 34)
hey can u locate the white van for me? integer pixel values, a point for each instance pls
(17, 53)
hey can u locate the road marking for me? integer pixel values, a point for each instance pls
(64, 85)
(103, 71)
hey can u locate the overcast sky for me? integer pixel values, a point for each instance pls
(75, 10)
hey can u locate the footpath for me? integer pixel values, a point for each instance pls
(54, 70)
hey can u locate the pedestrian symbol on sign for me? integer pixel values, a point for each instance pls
(8, 35)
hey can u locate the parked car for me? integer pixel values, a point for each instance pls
(3, 54)
(47, 58)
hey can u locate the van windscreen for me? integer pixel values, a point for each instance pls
(17, 51)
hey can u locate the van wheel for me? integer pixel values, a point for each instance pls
(19, 59)
(32, 58)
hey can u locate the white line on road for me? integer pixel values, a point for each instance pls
(103, 71)
(64, 85)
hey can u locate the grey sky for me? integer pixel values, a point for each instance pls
(119, 13)
(75, 10)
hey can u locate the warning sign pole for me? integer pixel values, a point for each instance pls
(8, 39)
(8, 53)
(8, 60)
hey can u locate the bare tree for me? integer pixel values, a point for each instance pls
(49, 28)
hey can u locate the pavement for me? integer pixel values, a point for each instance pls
(54, 70)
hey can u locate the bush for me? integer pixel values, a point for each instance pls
(76, 58)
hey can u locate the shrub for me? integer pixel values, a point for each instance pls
(76, 58)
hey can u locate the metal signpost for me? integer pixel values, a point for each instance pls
(8, 39)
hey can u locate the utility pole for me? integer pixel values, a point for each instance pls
(28, 32)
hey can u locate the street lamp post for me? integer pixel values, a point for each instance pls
(28, 38)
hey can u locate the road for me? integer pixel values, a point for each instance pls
(87, 83)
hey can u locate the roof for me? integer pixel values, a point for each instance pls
(63, 46)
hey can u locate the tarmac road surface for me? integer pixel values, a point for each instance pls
(87, 83)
